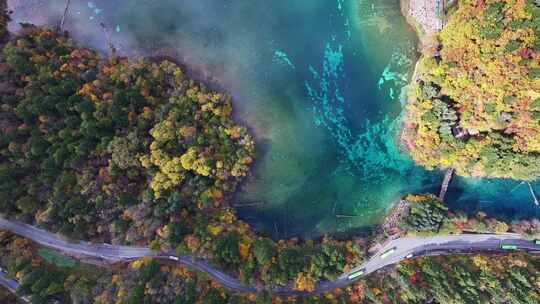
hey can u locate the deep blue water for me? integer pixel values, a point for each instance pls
(317, 81)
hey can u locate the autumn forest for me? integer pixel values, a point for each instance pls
(131, 151)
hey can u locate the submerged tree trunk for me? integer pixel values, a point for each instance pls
(535, 199)
(66, 9)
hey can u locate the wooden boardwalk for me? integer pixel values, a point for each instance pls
(446, 181)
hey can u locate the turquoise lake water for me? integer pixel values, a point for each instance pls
(319, 84)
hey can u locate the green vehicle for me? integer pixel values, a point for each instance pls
(508, 247)
(537, 242)
(388, 252)
(356, 274)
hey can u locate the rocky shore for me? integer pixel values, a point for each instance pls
(425, 16)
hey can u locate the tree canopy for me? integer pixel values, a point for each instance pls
(84, 141)
(475, 104)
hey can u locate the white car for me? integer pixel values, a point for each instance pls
(172, 257)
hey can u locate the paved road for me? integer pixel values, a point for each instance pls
(402, 249)
(11, 285)
(115, 253)
(438, 245)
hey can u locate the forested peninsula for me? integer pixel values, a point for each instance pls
(475, 103)
(90, 146)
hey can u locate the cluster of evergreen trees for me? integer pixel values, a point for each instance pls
(429, 216)
(425, 215)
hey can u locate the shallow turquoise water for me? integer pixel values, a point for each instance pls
(319, 84)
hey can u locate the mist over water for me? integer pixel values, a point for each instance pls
(319, 84)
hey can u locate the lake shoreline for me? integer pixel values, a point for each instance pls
(426, 43)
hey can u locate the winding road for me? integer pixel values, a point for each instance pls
(11, 285)
(402, 248)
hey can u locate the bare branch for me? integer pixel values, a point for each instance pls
(533, 194)
(66, 9)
